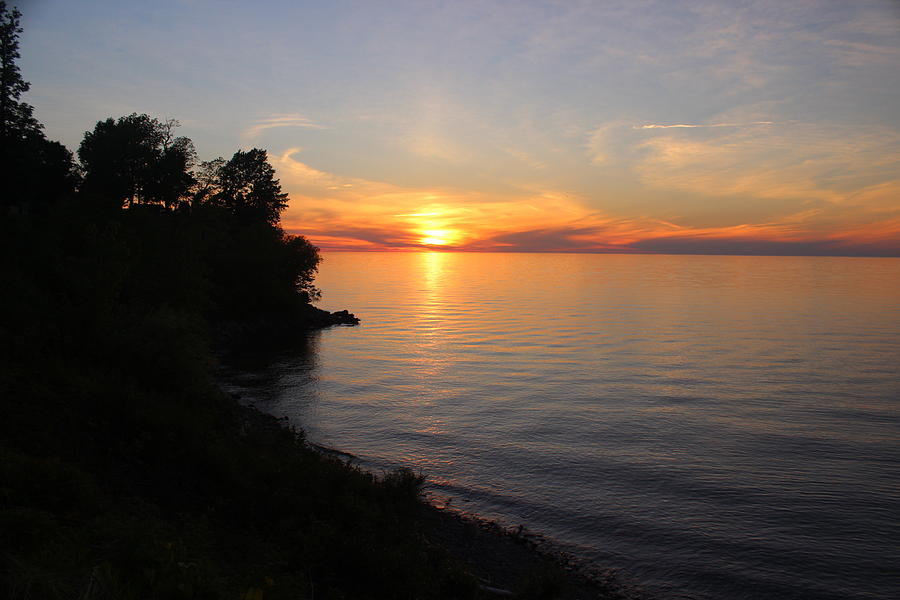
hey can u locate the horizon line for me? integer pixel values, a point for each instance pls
(609, 252)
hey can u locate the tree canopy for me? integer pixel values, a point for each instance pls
(251, 264)
(35, 172)
(136, 159)
(201, 236)
(16, 118)
(247, 187)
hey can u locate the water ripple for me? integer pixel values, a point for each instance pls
(722, 427)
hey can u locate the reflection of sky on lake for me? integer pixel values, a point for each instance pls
(725, 426)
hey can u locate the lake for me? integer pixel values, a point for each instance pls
(714, 426)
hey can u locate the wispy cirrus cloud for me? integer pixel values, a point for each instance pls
(736, 160)
(280, 120)
(692, 126)
(795, 162)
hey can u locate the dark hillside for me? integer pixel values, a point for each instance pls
(125, 473)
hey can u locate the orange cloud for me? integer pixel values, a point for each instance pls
(345, 213)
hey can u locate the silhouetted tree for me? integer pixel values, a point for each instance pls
(171, 179)
(35, 171)
(256, 267)
(15, 117)
(303, 260)
(248, 188)
(207, 181)
(38, 173)
(136, 159)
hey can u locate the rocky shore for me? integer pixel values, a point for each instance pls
(515, 563)
(505, 563)
(278, 329)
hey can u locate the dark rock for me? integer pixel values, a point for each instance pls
(342, 317)
(274, 329)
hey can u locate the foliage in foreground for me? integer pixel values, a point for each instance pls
(124, 472)
(114, 490)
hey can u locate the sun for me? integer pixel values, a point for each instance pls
(436, 237)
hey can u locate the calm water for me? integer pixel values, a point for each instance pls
(719, 427)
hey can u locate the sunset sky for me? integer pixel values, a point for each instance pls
(635, 126)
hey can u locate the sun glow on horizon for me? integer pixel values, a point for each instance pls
(794, 151)
(437, 237)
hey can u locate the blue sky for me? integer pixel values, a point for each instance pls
(576, 126)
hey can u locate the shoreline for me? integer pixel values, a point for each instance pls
(506, 561)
